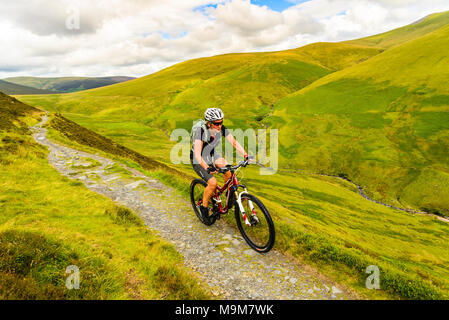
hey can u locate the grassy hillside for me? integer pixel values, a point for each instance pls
(66, 84)
(49, 222)
(141, 112)
(12, 88)
(324, 222)
(320, 220)
(384, 122)
(376, 115)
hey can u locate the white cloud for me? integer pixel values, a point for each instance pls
(138, 37)
(358, 18)
(246, 18)
(43, 17)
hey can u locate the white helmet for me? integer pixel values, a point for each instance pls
(213, 114)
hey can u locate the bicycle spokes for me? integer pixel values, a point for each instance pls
(254, 224)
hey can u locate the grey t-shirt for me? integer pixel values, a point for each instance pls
(209, 145)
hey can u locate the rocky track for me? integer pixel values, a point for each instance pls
(218, 254)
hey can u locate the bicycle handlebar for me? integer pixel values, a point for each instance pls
(243, 163)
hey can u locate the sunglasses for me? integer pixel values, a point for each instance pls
(217, 123)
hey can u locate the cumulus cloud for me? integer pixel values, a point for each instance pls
(52, 17)
(246, 18)
(138, 37)
(344, 19)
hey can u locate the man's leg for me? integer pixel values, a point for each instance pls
(209, 191)
(212, 182)
(220, 163)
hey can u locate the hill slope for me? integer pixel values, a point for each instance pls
(12, 88)
(384, 122)
(49, 222)
(333, 123)
(244, 85)
(67, 84)
(324, 221)
(375, 115)
(320, 219)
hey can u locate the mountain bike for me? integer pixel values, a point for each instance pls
(253, 219)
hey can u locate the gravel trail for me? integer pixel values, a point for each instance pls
(218, 253)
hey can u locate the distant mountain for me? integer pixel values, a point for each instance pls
(12, 88)
(67, 84)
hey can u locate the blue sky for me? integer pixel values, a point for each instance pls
(277, 5)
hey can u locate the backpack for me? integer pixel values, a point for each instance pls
(196, 124)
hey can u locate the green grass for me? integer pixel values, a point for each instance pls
(397, 110)
(86, 163)
(324, 222)
(13, 113)
(375, 115)
(140, 113)
(33, 267)
(49, 222)
(429, 190)
(428, 124)
(347, 233)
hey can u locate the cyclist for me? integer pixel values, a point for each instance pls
(204, 156)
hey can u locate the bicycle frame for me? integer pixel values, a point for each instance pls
(255, 225)
(232, 185)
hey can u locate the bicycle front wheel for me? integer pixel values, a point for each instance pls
(255, 224)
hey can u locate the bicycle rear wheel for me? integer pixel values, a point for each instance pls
(196, 197)
(259, 234)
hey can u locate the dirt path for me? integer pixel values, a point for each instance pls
(218, 253)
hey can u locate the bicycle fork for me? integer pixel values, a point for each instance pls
(242, 209)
